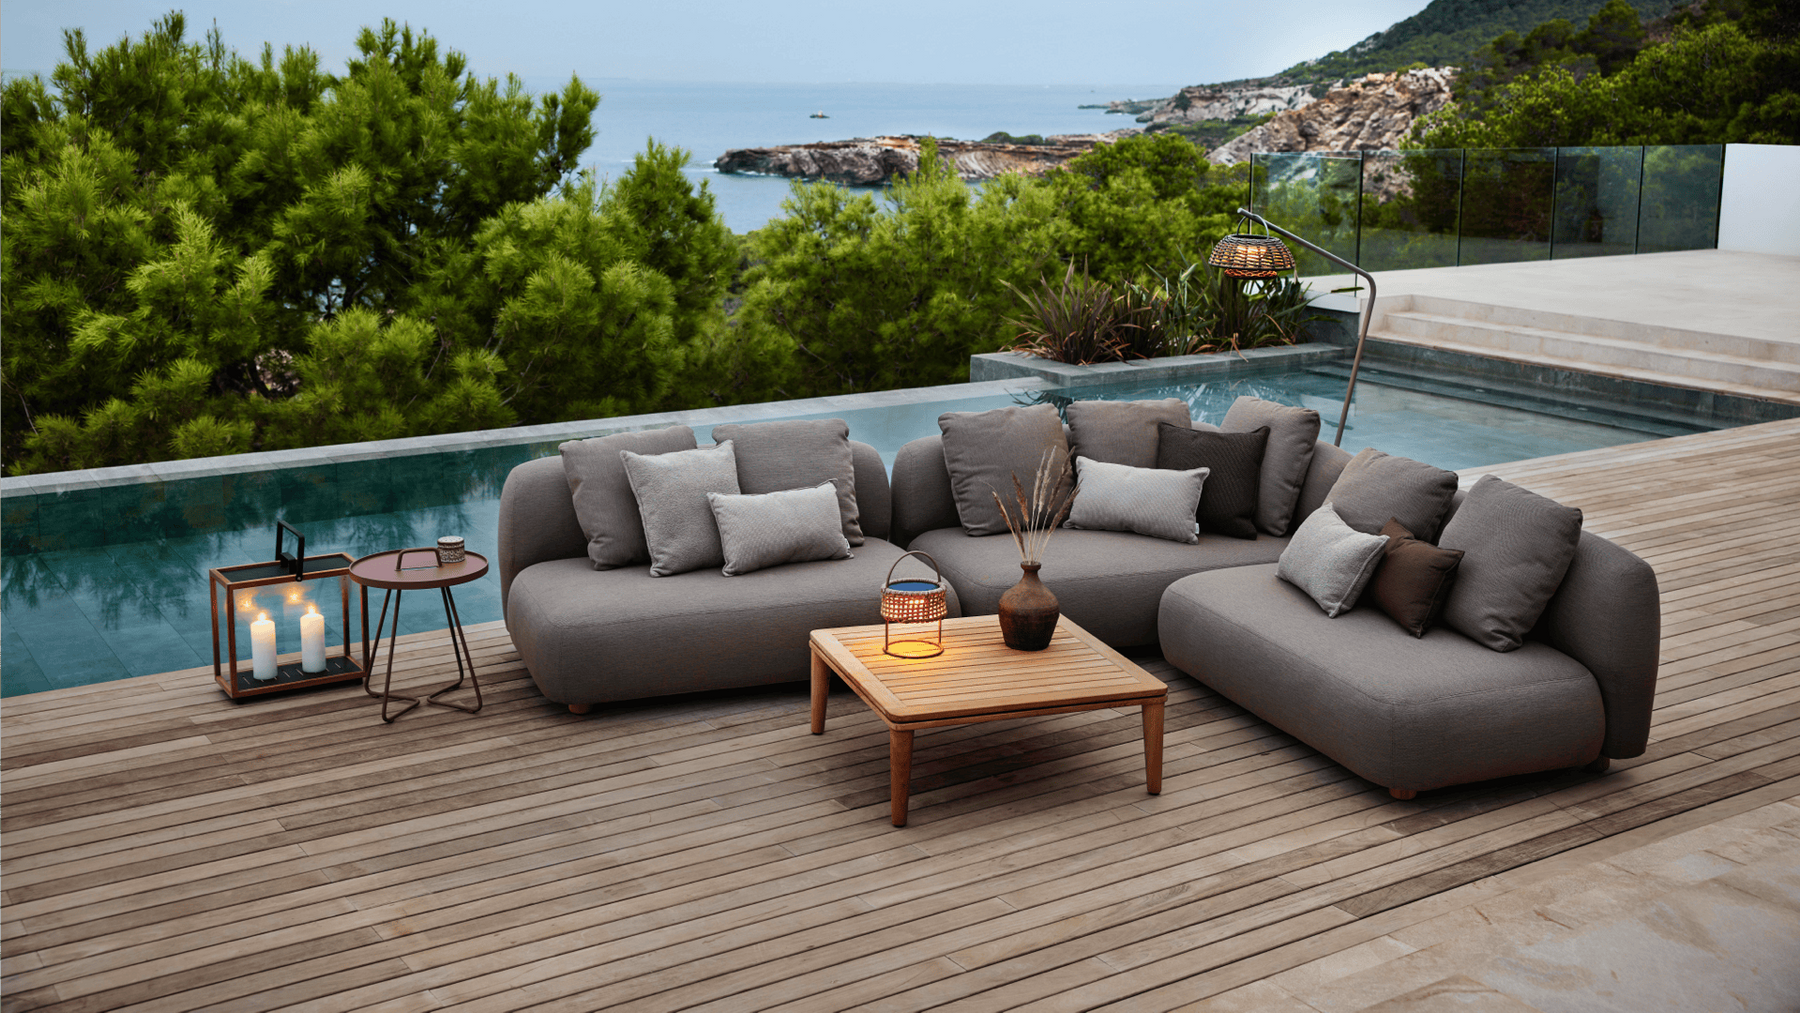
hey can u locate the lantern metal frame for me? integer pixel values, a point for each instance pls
(913, 607)
(1368, 305)
(286, 568)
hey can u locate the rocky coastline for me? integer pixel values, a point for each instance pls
(1372, 113)
(871, 161)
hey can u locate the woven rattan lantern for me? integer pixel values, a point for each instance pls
(913, 601)
(1245, 255)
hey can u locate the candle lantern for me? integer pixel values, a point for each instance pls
(913, 601)
(281, 608)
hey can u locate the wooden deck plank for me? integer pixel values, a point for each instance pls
(165, 848)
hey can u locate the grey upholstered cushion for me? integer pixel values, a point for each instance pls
(772, 528)
(985, 450)
(1122, 432)
(671, 493)
(1331, 561)
(1292, 433)
(1404, 713)
(1108, 581)
(797, 454)
(1516, 547)
(604, 504)
(1150, 501)
(1375, 488)
(1327, 464)
(1228, 506)
(591, 636)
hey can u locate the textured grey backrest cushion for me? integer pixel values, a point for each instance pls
(1228, 506)
(1516, 547)
(772, 456)
(671, 493)
(1330, 560)
(984, 450)
(604, 503)
(1292, 432)
(1122, 432)
(1149, 501)
(1375, 488)
(772, 528)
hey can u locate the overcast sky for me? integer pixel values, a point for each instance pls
(920, 41)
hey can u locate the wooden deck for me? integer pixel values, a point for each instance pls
(166, 849)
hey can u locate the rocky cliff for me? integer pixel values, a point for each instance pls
(1236, 100)
(1371, 113)
(866, 161)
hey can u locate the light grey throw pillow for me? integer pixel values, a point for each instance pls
(1286, 457)
(1375, 488)
(1122, 432)
(1149, 501)
(797, 454)
(984, 450)
(604, 504)
(769, 529)
(671, 494)
(1330, 560)
(1516, 547)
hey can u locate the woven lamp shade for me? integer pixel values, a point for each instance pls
(1249, 256)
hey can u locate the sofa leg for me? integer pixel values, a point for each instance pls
(1599, 766)
(1402, 794)
(579, 708)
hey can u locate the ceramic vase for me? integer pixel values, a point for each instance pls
(1028, 612)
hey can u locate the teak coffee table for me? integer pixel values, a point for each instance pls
(979, 678)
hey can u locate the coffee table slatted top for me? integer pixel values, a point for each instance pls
(978, 674)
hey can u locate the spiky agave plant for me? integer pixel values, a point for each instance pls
(1042, 512)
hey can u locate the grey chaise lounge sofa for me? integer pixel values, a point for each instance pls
(592, 636)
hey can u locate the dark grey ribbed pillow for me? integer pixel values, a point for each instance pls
(1516, 547)
(1228, 504)
(1375, 487)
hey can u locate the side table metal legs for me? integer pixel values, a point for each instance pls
(459, 646)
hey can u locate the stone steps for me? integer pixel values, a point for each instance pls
(1677, 357)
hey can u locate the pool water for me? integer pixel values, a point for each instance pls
(107, 583)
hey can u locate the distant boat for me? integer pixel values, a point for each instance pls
(820, 115)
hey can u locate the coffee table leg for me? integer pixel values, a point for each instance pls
(821, 688)
(899, 771)
(1153, 731)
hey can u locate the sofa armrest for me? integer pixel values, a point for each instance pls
(1608, 615)
(874, 500)
(537, 520)
(923, 500)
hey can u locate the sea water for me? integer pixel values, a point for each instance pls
(707, 119)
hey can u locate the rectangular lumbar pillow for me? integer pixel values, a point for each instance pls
(797, 454)
(1330, 560)
(671, 494)
(604, 505)
(1148, 501)
(1414, 579)
(983, 451)
(1375, 487)
(772, 528)
(1292, 433)
(1122, 432)
(1516, 547)
(1235, 459)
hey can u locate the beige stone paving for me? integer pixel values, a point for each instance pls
(1705, 919)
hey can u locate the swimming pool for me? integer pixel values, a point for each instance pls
(101, 582)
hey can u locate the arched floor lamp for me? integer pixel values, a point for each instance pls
(1249, 256)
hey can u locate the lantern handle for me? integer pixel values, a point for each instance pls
(922, 555)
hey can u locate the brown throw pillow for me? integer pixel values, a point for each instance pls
(1228, 503)
(1414, 579)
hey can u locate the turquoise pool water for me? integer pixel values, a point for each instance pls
(108, 582)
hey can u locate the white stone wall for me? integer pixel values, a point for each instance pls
(1759, 202)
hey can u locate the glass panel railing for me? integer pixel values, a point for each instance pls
(1506, 205)
(1410, 206)
(1596, 208)
(1312, 195)
(1680, 209)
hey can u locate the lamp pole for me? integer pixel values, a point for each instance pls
(1368, 309)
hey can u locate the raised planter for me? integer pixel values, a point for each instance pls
(1170, 369)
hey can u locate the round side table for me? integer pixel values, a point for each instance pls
(389, 571)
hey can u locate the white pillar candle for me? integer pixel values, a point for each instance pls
(312, 641)
(262, 648)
